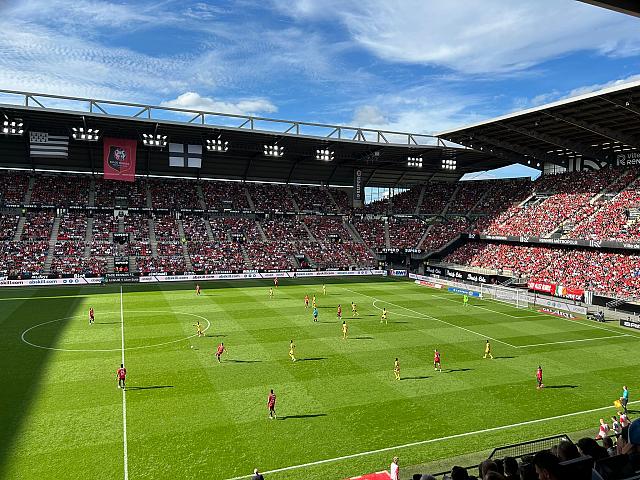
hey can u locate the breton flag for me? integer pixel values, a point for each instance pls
(41, 144)
(185, 155)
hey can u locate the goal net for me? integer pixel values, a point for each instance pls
(513, 296)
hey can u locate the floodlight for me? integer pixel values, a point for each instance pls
(12, 127)
(414, 162)
(217, 145)
(154, 140)
(449, 164)
(273, 151)
(85, 134)
(325, 155)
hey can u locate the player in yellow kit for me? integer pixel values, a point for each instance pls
(324, 289)
(199, 331)
(313, 302)
(383, 317)
(271, 292)
(292, 351)
(345, 329)
(396, 369)
(487, 350)
(354, 310)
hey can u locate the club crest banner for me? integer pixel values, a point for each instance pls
(119, 156)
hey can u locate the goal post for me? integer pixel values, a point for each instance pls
(516, 297)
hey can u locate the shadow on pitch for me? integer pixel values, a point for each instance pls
(560, 386)
(107, 323)
(310, 415)
(504, 356)
(149, 387)
(362, 338)
(215, 336)
(421, 377)
(453, 370)
(312, 359)
(244, 361)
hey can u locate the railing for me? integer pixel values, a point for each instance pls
(519, 450)
(218, 120)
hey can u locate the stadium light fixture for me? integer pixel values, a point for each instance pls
(273, 151)
(217, 145)
(325, 155)
(415, 162)
(154, 140)
(85, 134)
(12, 127)
(449, 164)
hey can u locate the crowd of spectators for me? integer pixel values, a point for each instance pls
(360, 254)
(104, 224)
(150, 265)
(174, 194)
(326, 255)
(134, 194)
(8, 226)
(73, 226)
(436, 196)
(216, 256)
(270, 197)
(327, 228)
(341, 197)
(195, 228)
(407, 201)
(60, 191)
(20, 258)
(166, 228)
(229, 228)
(225, 196)
(606, 273)
(371, 231)
(13, 187)
(78, 265)
(611, 219)
(282, 229)
(467, 195)
(38, 225)
(271, 255)
(313, 199)
(405, 232)
(439, 234)
(137, 224)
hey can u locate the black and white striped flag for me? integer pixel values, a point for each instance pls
(41, 144)
(185, 155)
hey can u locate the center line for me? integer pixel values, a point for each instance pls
(124, 395)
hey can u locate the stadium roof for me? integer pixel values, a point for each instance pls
(382, 155)
(630, 7)
(586, 131)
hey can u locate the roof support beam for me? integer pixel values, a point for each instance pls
(558, 142)
(627, 105)
(597, 129)
(514, 152)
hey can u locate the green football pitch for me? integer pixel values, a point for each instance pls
(341, 412)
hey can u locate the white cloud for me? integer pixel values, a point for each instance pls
(248, 106)
(476, 36)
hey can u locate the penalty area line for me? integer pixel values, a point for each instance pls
(424, 315)
(431, 440)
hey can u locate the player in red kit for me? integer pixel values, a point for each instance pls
(539, 377)
(271, 403)
(340, 312)
(275, 282)
(198, 290)
(306, 301)
(92, 317)
(436, 360)
(121, 375)
(221, 349)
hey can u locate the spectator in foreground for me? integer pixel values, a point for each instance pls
(607, 443)
(395, 469)
(588, 446)
(257, 475)
(547, 465)
(427, 476)
(567, 451)
(459, 473)
(485, 467)
(511, 468)
(629, 443)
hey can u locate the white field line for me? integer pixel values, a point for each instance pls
(124, 395)
(575, 341)
(424, 315)
(431, 440)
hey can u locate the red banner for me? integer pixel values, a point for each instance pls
(119, 157)
(542, 287)
(568, 292)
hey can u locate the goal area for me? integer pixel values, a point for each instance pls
(516, 297)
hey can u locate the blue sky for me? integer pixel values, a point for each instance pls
(412, 65)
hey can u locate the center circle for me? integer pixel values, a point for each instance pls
(24, 333)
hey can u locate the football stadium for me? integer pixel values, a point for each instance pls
(189, 293)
